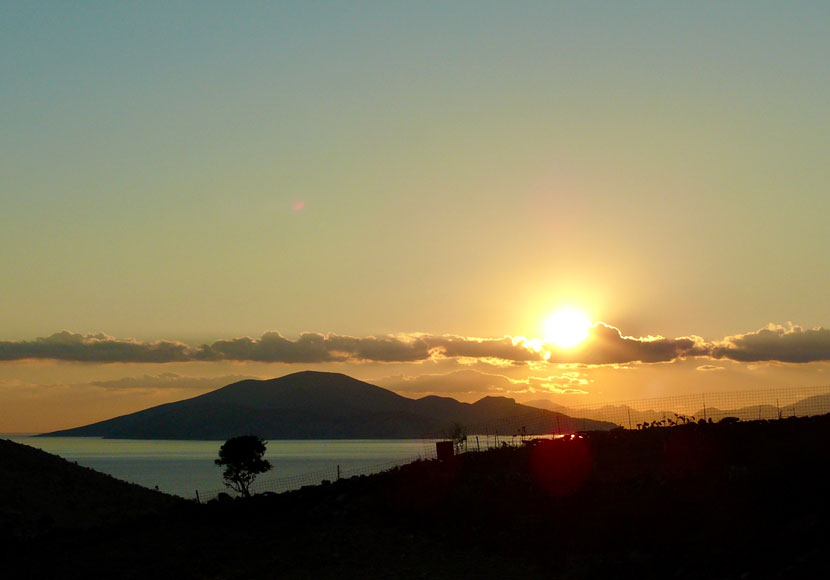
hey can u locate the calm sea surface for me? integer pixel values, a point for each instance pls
(182, 467)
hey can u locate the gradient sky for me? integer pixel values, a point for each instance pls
(197, 172)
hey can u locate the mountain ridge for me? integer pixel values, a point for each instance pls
(318, 405)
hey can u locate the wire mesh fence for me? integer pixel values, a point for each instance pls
(330, 474)
(748, 405)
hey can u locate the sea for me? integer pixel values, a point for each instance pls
(187, 469)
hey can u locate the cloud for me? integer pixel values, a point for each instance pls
(457, 382)
(318, 348)
(790, 344)
(160, 382)
(69, 346)
(709, 368)
(605, 346)
(271, 347)
(569, 383)
(507, 348)
(170, 381)
(468, 381)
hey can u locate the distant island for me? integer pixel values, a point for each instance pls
(318, 405)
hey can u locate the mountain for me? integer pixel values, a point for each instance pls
(625, 415)
(316, 405)
(751, 413)
(619, 414)
(545, 404)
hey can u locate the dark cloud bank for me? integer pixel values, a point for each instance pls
(605, 346)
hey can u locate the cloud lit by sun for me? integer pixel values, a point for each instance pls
(567, 328)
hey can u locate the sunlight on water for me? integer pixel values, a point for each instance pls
(182, 467)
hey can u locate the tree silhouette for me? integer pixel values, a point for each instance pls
(242, 458)
(457, 433)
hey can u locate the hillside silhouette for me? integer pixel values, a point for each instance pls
(317, 405)
(40, 492)
(730, 500)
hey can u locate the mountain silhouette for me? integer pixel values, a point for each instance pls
(318, 405)
(617, 413)
(627, 415)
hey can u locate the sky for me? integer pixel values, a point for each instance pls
(196, 192)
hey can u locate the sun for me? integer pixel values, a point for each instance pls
(567, 328)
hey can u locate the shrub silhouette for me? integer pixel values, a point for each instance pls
(242, 458)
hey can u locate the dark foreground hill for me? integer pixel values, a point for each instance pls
(740, 500)
(316, 405)
(40, 491)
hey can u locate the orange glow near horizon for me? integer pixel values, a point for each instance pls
(567, 328)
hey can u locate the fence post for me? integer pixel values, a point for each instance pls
(197, 497)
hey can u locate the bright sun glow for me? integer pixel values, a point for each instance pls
(567, 328)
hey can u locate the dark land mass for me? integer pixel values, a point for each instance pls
(316, 405)
(804, 406)
(40, 491)
(728, 500)
(625, 415)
